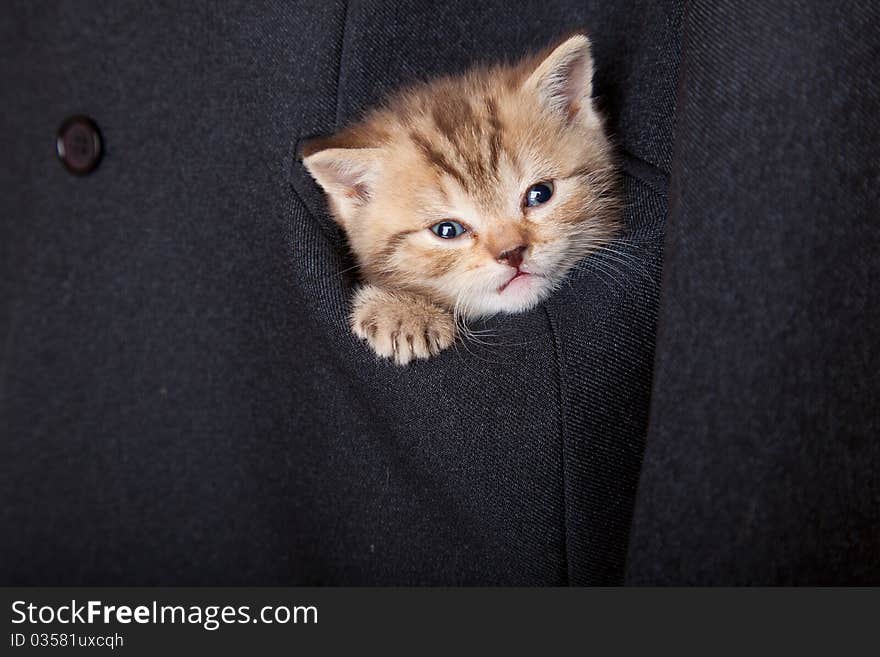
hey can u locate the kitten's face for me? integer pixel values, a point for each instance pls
(480, 191)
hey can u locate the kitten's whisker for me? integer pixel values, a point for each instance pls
(600, 249)
(347, 269)
(624, 260)
(628, 260)
(458, 318)
(601, 277)
(468, 334)
(615, 275)
(596, 265)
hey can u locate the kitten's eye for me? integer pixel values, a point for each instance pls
(448, 229)
(538, 193)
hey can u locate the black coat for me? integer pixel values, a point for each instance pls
(181, 401)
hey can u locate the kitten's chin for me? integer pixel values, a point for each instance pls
(520, 294)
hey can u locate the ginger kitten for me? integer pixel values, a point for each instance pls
(469, 196)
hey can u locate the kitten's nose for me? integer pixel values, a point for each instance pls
(512, 257)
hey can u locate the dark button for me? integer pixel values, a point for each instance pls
(79, 145)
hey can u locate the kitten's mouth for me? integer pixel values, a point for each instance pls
(519, 275)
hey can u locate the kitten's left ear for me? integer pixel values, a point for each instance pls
(563, 80)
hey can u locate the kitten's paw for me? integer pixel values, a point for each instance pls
(401, 326)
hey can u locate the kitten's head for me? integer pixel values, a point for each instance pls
(479, 191)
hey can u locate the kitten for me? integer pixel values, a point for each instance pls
(469, 196)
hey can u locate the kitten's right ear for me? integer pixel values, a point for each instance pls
(563, 80)
(347, 175)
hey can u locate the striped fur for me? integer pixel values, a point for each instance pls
(467, 148)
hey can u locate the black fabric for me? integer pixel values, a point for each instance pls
(182, 402)
(763, 464)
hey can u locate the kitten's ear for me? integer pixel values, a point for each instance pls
(347, 176)
(563, 80)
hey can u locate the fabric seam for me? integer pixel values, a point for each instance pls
(557, 355)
